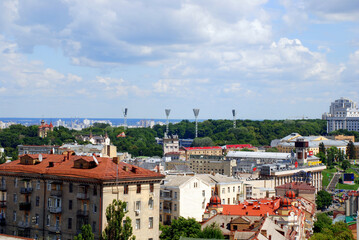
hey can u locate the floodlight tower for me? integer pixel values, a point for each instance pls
(234, 118)
(167, 115)
(196, 112)
(125, 117)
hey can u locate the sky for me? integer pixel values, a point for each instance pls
(280, 59)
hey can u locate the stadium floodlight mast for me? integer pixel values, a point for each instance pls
(196, 112)
(234, 118)
(167, 115)
(125, 117)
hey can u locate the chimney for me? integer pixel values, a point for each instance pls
(270, 237)
(68, 155)
(115, 160)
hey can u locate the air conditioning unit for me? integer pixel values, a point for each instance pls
(137, 212)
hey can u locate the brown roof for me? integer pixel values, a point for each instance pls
(297, 186)
(62, 166)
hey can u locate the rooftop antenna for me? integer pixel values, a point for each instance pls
(167, 115)
(40, 157)
(125, 117)
(234, 118)
(196, 112)
(95, 159)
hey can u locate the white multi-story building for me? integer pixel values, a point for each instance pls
(185, 196)
(343, 114)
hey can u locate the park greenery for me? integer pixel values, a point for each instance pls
(141, 141)
(324, 229)
(189, 227)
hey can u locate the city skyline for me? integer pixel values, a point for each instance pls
(265, 59)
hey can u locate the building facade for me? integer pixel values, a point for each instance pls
(37, 149)
(184, 196)
(343, 114)
(212, 164)
(44, 128)
(51, 196)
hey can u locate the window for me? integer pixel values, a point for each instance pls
(37, 201)
(138, 223)
(70, 187)
(38, 184)
(49, 202)
(234, 189)
(224, 201)
(229, 201)
(223, 190)
(70, 204)
(234, 200)
(175, 195)
(48, 186)
(160, 206)
(150, 203)
(94, 208)
(125, 189)
(94, 190)
(203, 193)
(151, 187)
(138, 190)
(93, 226)
(138, 205)
(48, 220)
(229, 189)
(69, 223)
(15, 198)
(37, 219)
(14, 216)
(239, 188)
(195, 184)
(150, 222)
(15, 182)
(175, 207)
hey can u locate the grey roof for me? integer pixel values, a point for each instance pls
(267, 155)
(175, 181)
(286, 138)
(218, 178)
(315, 144)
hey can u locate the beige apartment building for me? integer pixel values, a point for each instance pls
(212, 164)
(51, 196)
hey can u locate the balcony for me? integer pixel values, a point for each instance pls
(26, 190)
(3, 204)
(24, 225)
(3, 187)
(54, 229)
(55, 209)
(26, 206)
(167, 210)
(2, 221)
(83, 196)
(82, 213)
(56, 193)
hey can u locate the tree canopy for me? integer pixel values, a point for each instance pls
(116, 228)
(86, 233)
(323, 199)
(189, 227)
(325, 230)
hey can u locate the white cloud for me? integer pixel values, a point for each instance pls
(119, 87)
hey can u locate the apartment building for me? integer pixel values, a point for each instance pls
(212, 164)
(51, 196)
(185, 196)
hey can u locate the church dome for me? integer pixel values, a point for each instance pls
(290, 194)
(215, 201)
(285, 202)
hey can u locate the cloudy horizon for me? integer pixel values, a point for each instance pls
(266, 59)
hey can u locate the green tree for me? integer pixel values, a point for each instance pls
(322, 157)
(115, 229)
(323, 221)
(211, 232)
(351, 150)
(202, 142)
(323, 199)
(321, 148)
(86, 233)
(180, 227)
(345, 165)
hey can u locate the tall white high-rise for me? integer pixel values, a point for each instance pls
(343, 114)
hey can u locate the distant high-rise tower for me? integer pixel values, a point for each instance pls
(196, 112)
(167, 115)
(125, 117)
(234, 118)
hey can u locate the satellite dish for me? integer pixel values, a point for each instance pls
(95, 159)
(40, 157)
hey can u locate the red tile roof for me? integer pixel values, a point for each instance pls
(105, 170)
(202, 148)
(239, 146)
(297, 186)
(253, 208)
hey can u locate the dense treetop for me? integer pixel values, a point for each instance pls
(141, 141)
